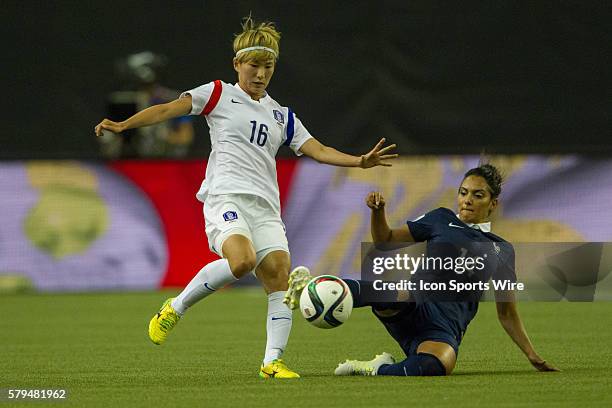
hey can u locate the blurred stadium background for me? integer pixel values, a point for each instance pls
(528, 83)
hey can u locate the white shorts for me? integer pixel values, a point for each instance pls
(244, 214)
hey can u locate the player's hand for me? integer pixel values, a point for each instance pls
(108, 124)
(375, 200)
(542, 365)
(376, 156)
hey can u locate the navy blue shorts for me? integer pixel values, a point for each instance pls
(416, 323)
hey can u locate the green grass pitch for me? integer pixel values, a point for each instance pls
(96, 346)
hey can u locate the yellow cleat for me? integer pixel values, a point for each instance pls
(277, 369)
(164, 321)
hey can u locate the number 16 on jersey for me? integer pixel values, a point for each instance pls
(262, 136)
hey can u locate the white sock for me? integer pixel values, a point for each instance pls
(211, 277)
(278, 326)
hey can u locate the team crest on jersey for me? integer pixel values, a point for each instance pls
(230, 216)
(278, 115)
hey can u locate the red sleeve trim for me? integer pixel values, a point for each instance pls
(214, 98)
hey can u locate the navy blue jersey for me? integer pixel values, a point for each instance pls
(450, 244)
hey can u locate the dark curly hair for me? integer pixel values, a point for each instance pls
(492, 176)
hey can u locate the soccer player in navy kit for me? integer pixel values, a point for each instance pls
(429, 327)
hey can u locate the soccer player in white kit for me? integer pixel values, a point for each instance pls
(240, 190)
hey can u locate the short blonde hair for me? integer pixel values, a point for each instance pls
(252, 35)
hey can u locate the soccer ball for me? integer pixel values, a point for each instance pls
(326, 302)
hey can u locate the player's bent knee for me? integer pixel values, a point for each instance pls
(239, 252)
(430, 365)
(240, 266)
(443, 352)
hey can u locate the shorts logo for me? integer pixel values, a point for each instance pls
(278, 115)
(230, 216)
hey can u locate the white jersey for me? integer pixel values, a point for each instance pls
(245, 136)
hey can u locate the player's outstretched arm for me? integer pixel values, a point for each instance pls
(324, 154)
(508, 316)
(149, 116)
(378, 222)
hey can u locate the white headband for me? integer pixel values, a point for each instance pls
(258, 47)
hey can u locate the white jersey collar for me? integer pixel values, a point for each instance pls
(483, 226)
(264, 98)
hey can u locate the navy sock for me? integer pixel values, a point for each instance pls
(355, 288)
(422, 364)
(364, 294)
